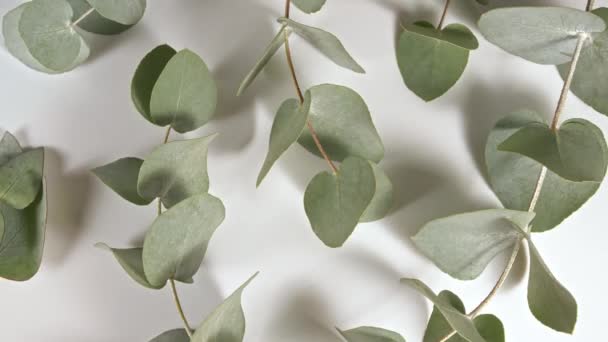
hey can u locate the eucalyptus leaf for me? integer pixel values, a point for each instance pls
(95, 22)
(176, 335)
(463, 245)
(286, 129)
(176, 243)
(227, 322)
(326, 43)
(335, 203)
(431, 61)
(9, 148)
(549, 301)
(23, 239)
(459, 322)
(21, 178)
(382, 202)
(343, 124)
(543, 35)
(185, 94)
(309, 6)
(514, 176)
(370, 334)
(121, 176)
(131, 261)
(126, 12)
(175, 171)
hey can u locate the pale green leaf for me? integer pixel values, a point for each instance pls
(126, 12)
(343, 124)
(326, 43)
(544, 35)
(95, 22)
(121, 176)
(175, 171)
(370, 334)
(175, 335)
(185, 94)
(334, 203)
(131, 261)
(21, 178)
(382, 202)
(463, 245)
(309, 6)
(9, 148)
(176, 243)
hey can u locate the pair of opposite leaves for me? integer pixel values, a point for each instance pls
(42, 33)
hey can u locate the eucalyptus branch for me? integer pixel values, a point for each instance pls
(83, 16)
(444, 14)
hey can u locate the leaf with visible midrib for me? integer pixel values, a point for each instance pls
(21, 178)
(121, 176)
(370, 334)
(131, 261)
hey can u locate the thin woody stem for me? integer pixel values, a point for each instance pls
(444, 14)
(590, 5)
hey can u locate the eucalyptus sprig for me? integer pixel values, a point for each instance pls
(43, 34)
(332, 122)
(175, 90)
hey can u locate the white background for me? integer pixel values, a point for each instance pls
(85, 118)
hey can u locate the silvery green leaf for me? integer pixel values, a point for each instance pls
(382, 202)
(286, 129)
(175, 335)
(463, 245)
(576, 152)
(176, 243)
(370, 334)
(23, 239)
(121, 176)
(270, 51)
(309, 6)
(459, 322)
(147, 73)
(185, 94)
(514, 176)
(131, 261)
(334, 203)
(343, 124)
(95, 22)
(543, 35)
(431, 61)
(21, 178)
(227, 322)
(549, 301)
(126, 12)
(175, 171)
(9, 148)
(326, 43)
(483, 2)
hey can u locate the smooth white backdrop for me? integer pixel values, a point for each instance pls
(85, 118)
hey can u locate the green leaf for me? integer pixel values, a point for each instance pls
(576, 152)
(514, 176)
(147, 73)
(343, 124)
(335, 203)
(382, 202)
(549, 301)
(227, 322)
(463, 245)
(95, 22)
(462, 324)
(309, 6)
(483, 2)
(175, 171)
(121, 176)
(185, 94)
(431, 60)
(131, 261)
(176, 243)
(270, 51)
(326, 43)
(590, 82)
(9, 148)
(286, 129)
(543, 35)
(370, 334)
(126, 12)
(176, 335)
(21, 178)
(23, 239)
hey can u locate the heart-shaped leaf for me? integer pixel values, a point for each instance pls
(309, 6)
(335, 203)
(459, 322)
(126, 12)
(463, 245)
(431, 60)
(94, 22)
(343, 124)
(576, 152)
(176, 335)
(514, 176)
(176, 243)
(131, 261)
(121, 176)
(227, 322)
(21, 178)
(184, 95)
(543, 35)
(175, 171)
(382, 202)
(370, 334)
(9, 148)
(286, 129)
(326, 43)
(549, 301)
(23, 239)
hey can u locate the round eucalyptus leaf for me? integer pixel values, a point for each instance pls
(131, 261)
(175, 335)
(370, 334)
(382, 202)
(121, 176)
(309, 6)
(95, 22)
(126, 12)
(9, 148)
(21, 178)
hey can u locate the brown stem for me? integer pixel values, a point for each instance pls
(590, 5)
(443, 15)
